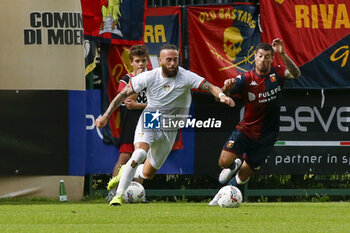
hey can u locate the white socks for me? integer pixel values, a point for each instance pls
(138, 156)
(239, 181)
(139, 173)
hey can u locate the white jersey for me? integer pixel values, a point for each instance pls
(168, 95)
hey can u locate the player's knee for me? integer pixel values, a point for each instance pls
(221, 162)
(226, 159)
(139, 155)
(224, 162)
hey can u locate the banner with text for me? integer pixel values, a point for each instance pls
(316, 35)
(41, 45)
(314, 134)
(163, 26)
(313, 139)
(222, 40)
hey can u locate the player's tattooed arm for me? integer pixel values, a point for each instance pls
(205, 86)
(217, 92)
(101, 121)
(127, 91)
(292, 69)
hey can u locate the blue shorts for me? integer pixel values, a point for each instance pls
(253, 152)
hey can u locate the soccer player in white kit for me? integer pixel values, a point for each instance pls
(168, 94)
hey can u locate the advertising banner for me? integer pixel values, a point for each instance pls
(313, 139)
(314, 134)
(222, 40)
(316, 35)
(43, 45)
(100, 157)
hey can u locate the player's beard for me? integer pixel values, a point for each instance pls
(170, 73)
(262, 69)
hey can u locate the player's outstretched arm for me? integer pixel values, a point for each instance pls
(217, 92)
(292, 69)
(101, 121)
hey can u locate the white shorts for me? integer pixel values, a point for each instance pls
(160, 142)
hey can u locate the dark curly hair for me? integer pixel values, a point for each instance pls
(138, 50)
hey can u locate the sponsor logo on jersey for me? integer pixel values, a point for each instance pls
(251, 96)
(230, 144)
(166, 87)
(273, 77)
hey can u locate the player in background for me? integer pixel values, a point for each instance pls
(254, 137)
(130, 111)
(168, 94)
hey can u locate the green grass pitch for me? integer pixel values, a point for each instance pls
(97, 216)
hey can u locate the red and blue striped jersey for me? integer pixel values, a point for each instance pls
(261, 96)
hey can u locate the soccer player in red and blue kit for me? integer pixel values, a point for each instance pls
(255, 136)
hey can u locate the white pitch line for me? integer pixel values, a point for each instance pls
(21, 192)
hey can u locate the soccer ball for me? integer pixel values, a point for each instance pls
(230, 197)
(134, 193)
